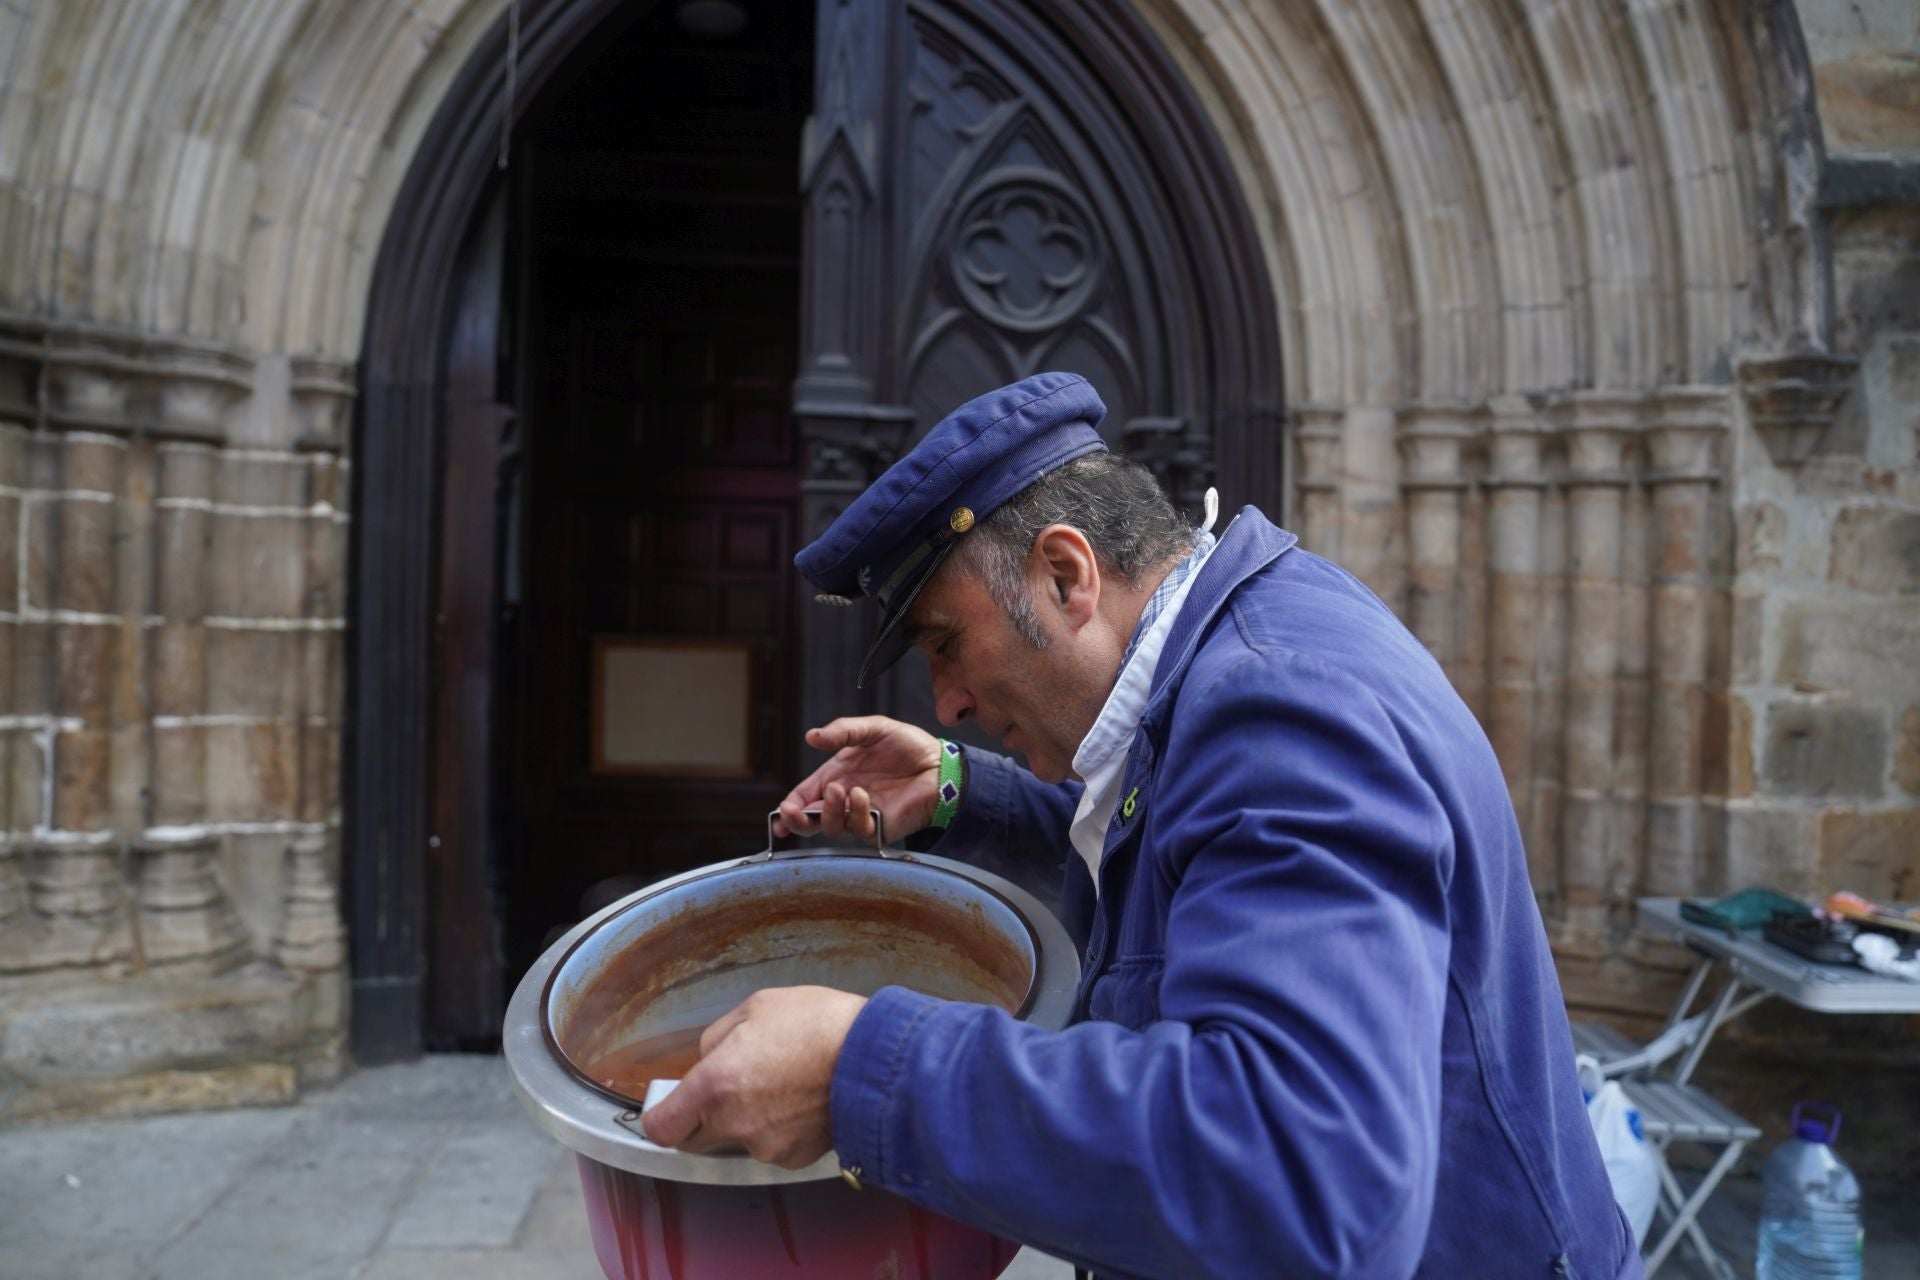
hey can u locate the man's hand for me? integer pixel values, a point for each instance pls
(764, 1079)
(877, 764)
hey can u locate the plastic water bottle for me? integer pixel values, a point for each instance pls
(1810, 1222)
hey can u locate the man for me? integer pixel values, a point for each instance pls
(1319, 1031)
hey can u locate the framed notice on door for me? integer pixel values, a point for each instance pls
(673, 708)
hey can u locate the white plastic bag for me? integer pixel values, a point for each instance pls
(1632, 1167)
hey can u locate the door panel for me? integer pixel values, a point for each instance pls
(1028, 185)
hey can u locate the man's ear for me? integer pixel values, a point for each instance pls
(1064, 562)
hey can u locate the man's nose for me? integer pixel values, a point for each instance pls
(951, 702)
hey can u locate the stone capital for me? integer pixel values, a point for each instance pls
(1517, 430)
(1316, 428)
(1684, 433)
(1601, 429)
(1433, 440)
(323, 390)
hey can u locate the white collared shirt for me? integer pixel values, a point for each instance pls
(1101, 759)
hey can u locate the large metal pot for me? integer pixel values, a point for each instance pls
(680, 953)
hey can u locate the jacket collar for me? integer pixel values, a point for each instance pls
(1250, 544)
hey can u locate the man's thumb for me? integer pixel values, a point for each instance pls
(672, 1119)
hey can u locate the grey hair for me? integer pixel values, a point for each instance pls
(1114, 501)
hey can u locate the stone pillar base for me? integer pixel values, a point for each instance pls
(250, 1037)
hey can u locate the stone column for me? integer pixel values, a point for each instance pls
(1372, 533)
(1683, 454)
(177, 652)
(15, 739)
(1515, 475)
(77, 886)
(186, 919)
(1433, 440)
(1599, 437)
(1627, 829)
(1317, 479)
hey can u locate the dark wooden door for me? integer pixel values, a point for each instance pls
(998, 187)
(663, 460)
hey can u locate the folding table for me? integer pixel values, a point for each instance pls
(1755, 970)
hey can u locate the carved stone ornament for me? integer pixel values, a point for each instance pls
(1026, 254)
(1792, 399)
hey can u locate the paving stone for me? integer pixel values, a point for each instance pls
(478, 1188)
(318, 1202)
(140, 1180)
(558, 1218)
(481, 1264)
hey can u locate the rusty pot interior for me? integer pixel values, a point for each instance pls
(628, 1000)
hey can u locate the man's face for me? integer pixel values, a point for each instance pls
(1033, 700)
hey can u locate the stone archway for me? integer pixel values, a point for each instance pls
(1551, 290)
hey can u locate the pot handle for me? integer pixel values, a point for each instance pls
(879, 834)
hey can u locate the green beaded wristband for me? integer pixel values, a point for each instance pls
(953, 781)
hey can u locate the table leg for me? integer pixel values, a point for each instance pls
(1695, 981)
(1715, 1016)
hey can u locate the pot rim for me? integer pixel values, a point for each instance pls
(642, 896)
(588, 1121)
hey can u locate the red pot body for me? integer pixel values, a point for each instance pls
(653, 1229)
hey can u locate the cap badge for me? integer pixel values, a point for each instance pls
(961, 520)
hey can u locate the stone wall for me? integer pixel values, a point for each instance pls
(171, 614)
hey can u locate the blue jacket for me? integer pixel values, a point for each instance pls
(1319, 1031)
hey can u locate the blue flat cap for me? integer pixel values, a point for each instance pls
(890, 540)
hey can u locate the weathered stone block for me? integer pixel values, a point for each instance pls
(1739, 748)
(179, 775)
(256, 566)
(1867, 101)
(82, 763)
(1876, 855)
(1875, 549)
(320, 666)
(1746, 637)
(83, 668)
(92, 464)
(1906, 751)
(319, 772)
(1673, 847)
(252, 772)
(37, 526)
(85, 580)
(326, 567)
(1864, 646)
(184, 471)
(9, 552)
(104, 1032)
(261, 481)
(26, 774)
(1823, 751)
(253, 1084)
(1677, 747)
(1762, 538)
(177, 668)
(255, 673)
(182, 539)
(1590, 734)
(1776, 848)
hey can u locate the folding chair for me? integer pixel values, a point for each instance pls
(1672, 1110)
